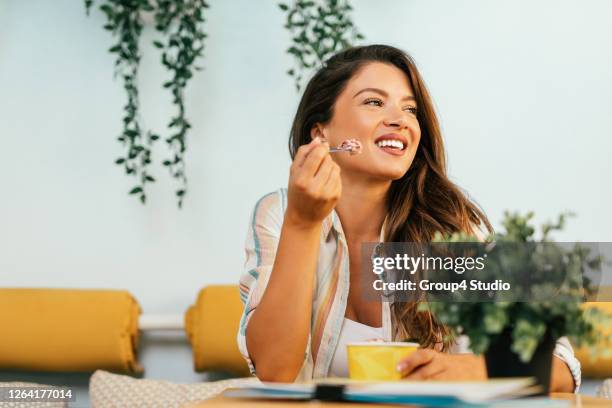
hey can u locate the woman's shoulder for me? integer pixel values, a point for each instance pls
(273, 201)
(270, 208)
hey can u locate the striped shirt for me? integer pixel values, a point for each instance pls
(330, 293)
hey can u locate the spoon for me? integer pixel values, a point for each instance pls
(353, 146)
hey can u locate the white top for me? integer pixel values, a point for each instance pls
(351, 332)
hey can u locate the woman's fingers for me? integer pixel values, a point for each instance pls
(332, 187)
(303, 177)
(334, 182)
(304, 151)
(323, 173)
(327, 180)
(427, 371)
(413, 361)
(314, 160)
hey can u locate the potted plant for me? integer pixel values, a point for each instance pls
(517, 337)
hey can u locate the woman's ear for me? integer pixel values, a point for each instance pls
(318, 131)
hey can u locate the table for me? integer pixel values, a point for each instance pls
(578, 401)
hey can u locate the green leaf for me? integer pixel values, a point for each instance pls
(88, 4)
(283, 7)
(106, 8)
(158, 44)
(495, 319)
(149, 178)
(295, 51)
(136, 190)
(121, 160)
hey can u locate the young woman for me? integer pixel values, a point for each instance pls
(302, 292)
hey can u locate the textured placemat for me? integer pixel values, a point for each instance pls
(114, 390)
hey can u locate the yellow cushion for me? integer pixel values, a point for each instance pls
(211, 325)
(68, 330)
(600, 367)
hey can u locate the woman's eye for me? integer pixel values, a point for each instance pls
(373, 102)
(378, 102)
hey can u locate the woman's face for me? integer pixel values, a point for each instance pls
(377, 107)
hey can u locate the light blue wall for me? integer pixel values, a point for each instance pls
(522, 87)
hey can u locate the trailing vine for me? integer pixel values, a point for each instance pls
(319, 29)
(124, 21)
(181, 22)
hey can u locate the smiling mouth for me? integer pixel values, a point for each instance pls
(391, 144)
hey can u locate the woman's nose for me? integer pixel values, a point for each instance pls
(396, 118)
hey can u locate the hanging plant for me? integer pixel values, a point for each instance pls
(180, 22)
(319, 29)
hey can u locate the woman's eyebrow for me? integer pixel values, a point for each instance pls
(383, 93)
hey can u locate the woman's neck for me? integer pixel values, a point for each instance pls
(362, 208)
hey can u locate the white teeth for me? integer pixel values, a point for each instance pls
(391, 143)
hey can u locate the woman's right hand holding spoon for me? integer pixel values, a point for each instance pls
(314, 185)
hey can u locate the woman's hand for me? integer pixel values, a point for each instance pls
(427, 364)
(314, 185)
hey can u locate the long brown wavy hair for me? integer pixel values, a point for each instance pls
(424, 201)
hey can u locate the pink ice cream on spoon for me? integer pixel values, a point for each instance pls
(353, 146)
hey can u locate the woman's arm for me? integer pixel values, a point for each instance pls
(561, 379)
(277, 333)
(279, 328)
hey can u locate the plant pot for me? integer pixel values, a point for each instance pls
(503, 362)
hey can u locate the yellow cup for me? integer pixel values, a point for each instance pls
(377, 361)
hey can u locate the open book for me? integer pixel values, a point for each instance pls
(498, 392)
